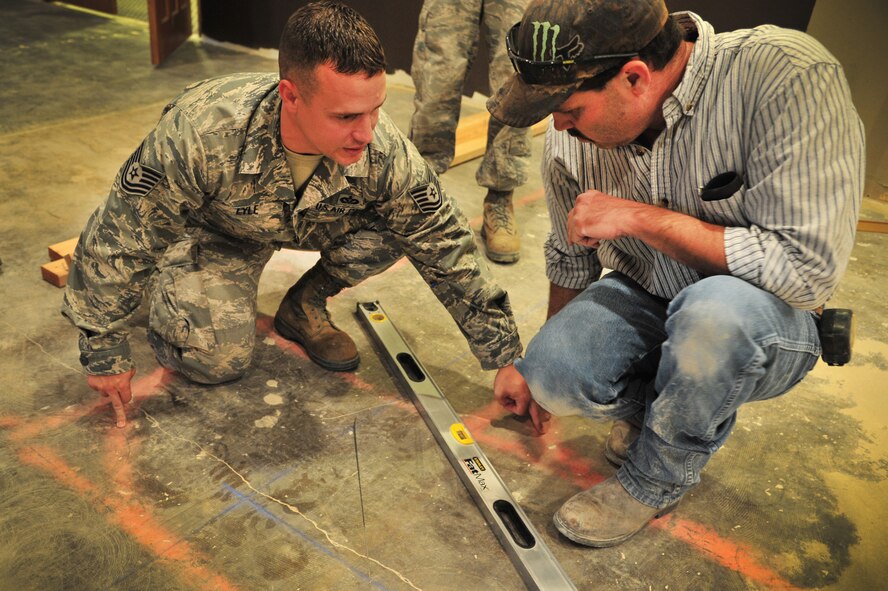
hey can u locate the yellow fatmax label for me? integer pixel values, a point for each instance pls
(377, 317)
(461, 434)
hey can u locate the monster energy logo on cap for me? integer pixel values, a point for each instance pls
(545, 40)
(540, 45)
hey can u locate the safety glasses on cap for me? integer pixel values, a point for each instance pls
(555, 71)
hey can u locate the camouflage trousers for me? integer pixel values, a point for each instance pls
(202, 297)
(445, 47)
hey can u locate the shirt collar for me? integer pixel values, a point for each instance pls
(684, 99)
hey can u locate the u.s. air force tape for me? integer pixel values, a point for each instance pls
(136, 178)
(427, 197)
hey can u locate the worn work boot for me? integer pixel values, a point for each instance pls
(303, 318)
(499, 232)
(623, 432)
(605, 515)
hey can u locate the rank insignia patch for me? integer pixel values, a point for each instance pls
(136, 178)
(427, 197)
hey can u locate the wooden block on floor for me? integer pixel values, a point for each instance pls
(471, 136)
(62, 250)
(872, 226)
(55, 272)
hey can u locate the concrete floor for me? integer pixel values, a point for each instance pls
(254, 484)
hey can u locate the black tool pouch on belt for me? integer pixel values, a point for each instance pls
(836, 329)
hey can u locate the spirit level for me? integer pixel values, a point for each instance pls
(529, 554)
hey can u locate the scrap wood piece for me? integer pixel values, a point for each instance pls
(872, 226)
(471, 136)
(62, 250)
(55, 272)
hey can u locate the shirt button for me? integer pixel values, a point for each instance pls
(639, 151)
(664, 203)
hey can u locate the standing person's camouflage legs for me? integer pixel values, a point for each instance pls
(303, 318)
(500, 232)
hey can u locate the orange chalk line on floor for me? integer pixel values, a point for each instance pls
(131, 517)
(134, 518)
(531, 197)
(29, 429)
(569, 465)
(736, 557)
(138, 522)
(142, 389)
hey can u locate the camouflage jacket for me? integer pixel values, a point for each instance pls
(215, 161)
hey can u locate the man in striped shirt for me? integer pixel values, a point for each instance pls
(719, 177)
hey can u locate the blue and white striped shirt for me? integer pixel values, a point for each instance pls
(773, 106)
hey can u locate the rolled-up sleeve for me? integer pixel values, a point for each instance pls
(805, 176)
(567, 265)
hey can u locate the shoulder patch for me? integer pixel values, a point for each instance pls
(427, 197)
(136, 178)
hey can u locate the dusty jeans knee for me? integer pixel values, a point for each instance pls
(597, 356)
(723, 342)
(728, 343)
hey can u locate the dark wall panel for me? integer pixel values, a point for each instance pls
(259, 23)
(727, 16)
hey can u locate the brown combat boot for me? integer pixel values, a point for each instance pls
(499, 232)
(303, 318)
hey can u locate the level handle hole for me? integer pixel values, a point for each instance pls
(514, 524)
(410, 367)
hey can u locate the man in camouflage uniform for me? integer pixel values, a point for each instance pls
(445, 47)
(241, 165)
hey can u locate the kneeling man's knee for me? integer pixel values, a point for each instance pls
(211, 374)
(224, 363)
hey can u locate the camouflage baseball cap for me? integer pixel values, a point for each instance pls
(560, 43)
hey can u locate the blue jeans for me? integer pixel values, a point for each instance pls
(616, 351)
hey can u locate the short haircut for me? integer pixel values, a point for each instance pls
(327, 32)
(656, 54)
